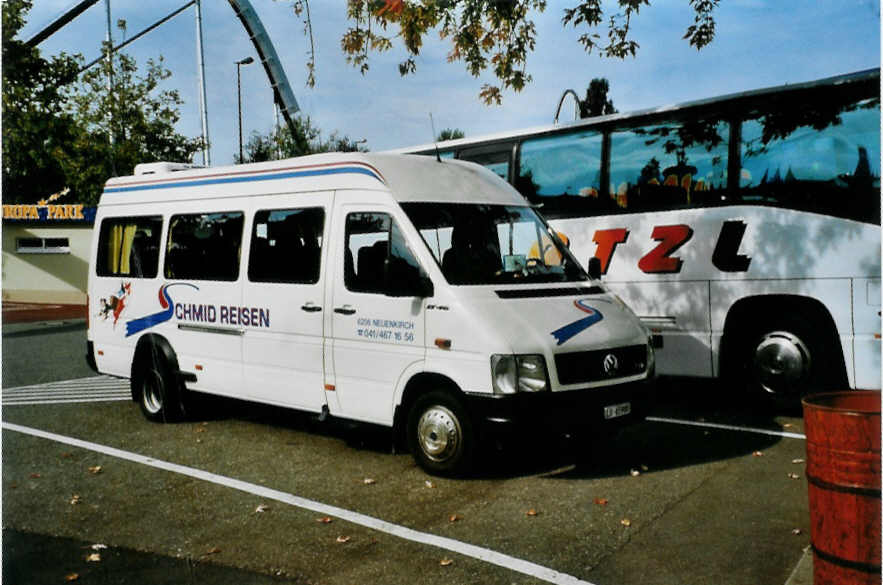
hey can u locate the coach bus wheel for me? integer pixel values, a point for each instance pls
(155, 388)
(440, 434)
(781, 361)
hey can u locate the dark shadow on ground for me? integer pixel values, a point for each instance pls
(646, 446)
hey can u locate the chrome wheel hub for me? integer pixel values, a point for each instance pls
(151, 394)
(781, 362)
(438, 433)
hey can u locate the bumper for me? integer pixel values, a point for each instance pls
(574, 411)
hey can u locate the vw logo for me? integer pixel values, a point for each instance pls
(611, 364)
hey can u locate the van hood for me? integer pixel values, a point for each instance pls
(563, 319)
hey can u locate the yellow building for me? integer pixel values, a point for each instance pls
(46, 253)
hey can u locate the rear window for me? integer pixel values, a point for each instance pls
(129, 246)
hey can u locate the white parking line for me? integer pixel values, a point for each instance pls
(694, 423)
(449, 544)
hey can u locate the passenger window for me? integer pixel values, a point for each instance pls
(286, 245)
(371, 239)
(204, 246)
(822, 157)
(668, 166)
(564, 174)
(497, 161)
(129, 246)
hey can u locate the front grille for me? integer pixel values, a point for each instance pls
(580, 367)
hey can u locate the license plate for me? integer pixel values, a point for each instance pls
(617, 410)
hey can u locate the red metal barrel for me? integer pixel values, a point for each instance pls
(843, 471)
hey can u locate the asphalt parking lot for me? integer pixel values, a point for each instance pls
(251, 494)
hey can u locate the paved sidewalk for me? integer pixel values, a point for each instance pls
(32, 312)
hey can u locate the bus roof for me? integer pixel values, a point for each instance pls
(756, 95)
(407, 178)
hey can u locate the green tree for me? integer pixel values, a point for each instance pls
(491, 34)
(450, 134)
(38, 130)
(596, 102)
(138, 114)
(306, 139)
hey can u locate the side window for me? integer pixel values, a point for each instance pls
(204, 246)
(823, 156)
(497, 161)
(371, 239)
(563, 173)
(129, 246)
(665, 166)
(286, 245)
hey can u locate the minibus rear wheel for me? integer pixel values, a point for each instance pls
(440, 434)
(154, 386)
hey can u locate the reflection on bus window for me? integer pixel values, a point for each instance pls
(668, 165)
(823, 157)
(497, 161)
(563, 173)
(493, 244)
(204, 246)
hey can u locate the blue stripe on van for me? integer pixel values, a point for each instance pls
(271, 177)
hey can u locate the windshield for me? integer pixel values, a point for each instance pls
(493, 244)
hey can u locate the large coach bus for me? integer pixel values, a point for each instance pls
(744, 229)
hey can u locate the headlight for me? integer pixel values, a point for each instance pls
(518, 373)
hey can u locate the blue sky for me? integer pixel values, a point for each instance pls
(758, 44)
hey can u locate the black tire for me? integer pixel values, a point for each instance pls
(785, 358)
(440, 434)
(156, 388)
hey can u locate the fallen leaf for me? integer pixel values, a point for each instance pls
(445, 562)
(93, 558)
(798, 461)
(95, 469)
(455, 517)
(369, 481)
(635, 473)
(644, 468)
(200, 429)
(67, 455)
(532, 512)
(796, 531)
(75, 499)
(35, 476)
(793, 476)
(758, 454)
(343, 539)
(325, 520)
(261, 508)
(213, 551)
(72, 577)
(625, 522)
(429, 484)
(601, 501)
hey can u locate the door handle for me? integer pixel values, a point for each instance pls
(345, 310)
(310, 308)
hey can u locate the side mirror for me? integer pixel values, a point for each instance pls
(595, 268)
(401, 279)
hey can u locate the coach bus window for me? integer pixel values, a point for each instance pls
(668, 165)
(563, 173)
(497, 161)
(822, 157)
(129, 246)
(286, 245)
(204, 246)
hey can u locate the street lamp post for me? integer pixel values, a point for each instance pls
(239, 64)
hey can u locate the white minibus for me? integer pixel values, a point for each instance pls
(397, 290)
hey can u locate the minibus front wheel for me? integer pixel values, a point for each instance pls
(440, 434)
